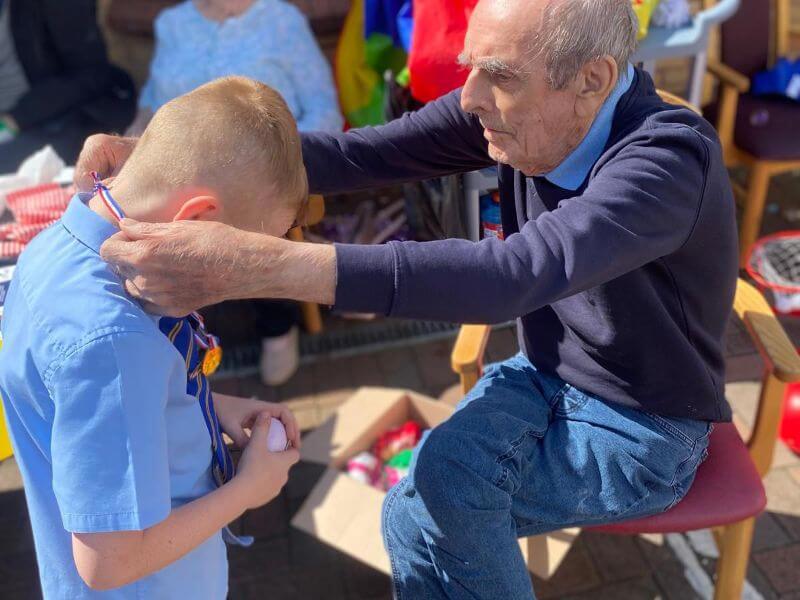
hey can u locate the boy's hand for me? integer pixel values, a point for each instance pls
(262, 474)
(237, 414)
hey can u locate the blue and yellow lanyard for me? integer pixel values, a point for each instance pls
(190, 337)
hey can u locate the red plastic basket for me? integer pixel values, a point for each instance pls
(774, 263)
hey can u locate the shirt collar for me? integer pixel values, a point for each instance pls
(85, 225)
(573, 170)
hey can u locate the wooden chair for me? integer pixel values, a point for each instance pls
(727, 493)
(757, 132)
(312, 318)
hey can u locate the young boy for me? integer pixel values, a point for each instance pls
(113, 424)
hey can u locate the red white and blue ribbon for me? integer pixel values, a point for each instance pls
(204, 339)
(105, 195)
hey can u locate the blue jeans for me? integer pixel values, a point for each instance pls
(526, 453)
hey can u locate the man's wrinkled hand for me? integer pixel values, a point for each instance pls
(102, 153)
(175, 268)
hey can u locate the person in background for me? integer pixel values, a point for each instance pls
(56, 84)
(269, 41)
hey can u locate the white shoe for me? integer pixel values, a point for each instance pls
(280, 357)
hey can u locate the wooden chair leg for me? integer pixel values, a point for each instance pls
(733, 559)
(468, 380)
(544, 553)
(757, 188)
(312, 317)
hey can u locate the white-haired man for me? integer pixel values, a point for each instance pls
(619, 263)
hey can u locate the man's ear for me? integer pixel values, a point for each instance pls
(595, 82)
(199, 208)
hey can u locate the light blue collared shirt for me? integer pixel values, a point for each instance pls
(572, 171)
(105, 435)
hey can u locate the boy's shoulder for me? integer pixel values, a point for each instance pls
(64, 296)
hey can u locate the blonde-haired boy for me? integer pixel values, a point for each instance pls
(115, 430)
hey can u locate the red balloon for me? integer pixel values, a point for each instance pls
(790, 423)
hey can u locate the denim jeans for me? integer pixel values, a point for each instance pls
(526, 453)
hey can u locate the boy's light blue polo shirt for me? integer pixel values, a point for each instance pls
(105, 435)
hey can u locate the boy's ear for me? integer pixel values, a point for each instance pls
(199, 208)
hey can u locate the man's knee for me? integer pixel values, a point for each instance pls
(452, 470)
(397, 522)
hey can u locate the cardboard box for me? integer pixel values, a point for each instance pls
(340, 510)
(346, 513)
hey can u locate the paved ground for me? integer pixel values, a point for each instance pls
(288, 564)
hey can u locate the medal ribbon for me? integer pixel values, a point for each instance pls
(207, 341)
(190, 337)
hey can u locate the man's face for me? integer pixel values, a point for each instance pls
(528, 125)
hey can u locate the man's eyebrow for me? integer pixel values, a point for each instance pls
(490, 64)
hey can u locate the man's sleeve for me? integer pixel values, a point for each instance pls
(439, 139)
(109, 440)
(641, 206)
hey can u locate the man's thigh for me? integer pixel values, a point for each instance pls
(599, 462)
(557, 456)
(495, 425)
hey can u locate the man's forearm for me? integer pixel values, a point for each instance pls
(296, 271)
(111, 560)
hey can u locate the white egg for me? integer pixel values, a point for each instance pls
(276, 438)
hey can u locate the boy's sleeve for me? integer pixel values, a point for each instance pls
(109, 439)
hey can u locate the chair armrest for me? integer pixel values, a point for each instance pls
(315, 210)
(768, 334)
(671, 98)
(469, 348)
(728, 76)
(467, 356)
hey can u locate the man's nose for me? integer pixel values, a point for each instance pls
(475, 95)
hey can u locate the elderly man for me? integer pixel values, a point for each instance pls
(619, 263)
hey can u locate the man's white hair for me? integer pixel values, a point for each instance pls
(575, 32)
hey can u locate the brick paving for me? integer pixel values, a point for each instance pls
(288, 564)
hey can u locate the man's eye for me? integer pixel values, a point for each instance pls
(502, 77)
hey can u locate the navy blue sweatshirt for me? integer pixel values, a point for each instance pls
(622, 288)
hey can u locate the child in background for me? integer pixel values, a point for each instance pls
(128, 483)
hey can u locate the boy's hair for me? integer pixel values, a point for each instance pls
(234, 135)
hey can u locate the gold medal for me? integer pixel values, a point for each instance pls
(211, 360)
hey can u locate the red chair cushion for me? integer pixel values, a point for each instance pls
(727, 489)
